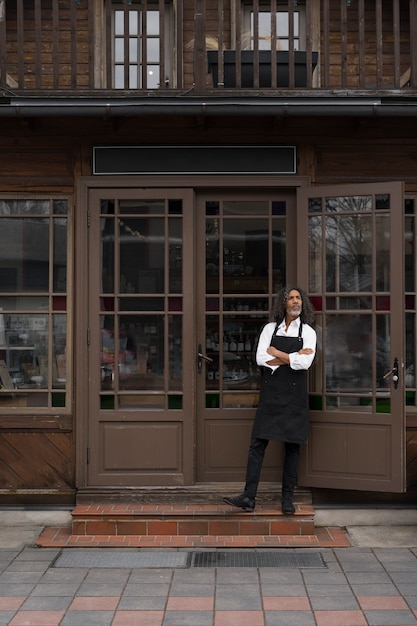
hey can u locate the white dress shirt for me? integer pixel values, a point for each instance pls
(297, 361)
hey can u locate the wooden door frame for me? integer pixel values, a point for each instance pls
(84, 185)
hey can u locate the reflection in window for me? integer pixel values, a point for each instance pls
(289, 29)
(348, 253)
(33, 325)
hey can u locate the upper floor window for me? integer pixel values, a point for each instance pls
(290, 29)
(142, 40)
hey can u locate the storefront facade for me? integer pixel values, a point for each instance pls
(143, 241)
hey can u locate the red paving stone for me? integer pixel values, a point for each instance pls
(136, 618)
(340, 618)
(382, 603)
(286, 603)
(323, 538)
(37, 618)
(185, 603)
(239, 618)
(92, 603)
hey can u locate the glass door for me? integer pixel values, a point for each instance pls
(140, 429)
(355, 277)
(243, 261)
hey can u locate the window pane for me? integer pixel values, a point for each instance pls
(107, 255)
(382, 241)
(348, 352)
(315, 255)
(60, 254)
(175, 352)
(119, 23)
(348, 203)
(349, 253)
(153, 77)
(152, 22)
(119, 51)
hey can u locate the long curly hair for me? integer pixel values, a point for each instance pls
(280, 303)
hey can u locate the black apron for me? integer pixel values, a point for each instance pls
(283, 411)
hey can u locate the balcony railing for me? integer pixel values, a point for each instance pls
(206, 46)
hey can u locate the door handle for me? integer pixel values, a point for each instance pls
(201, 357)
(393, 373)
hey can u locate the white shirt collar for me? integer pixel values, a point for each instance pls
(297, 322)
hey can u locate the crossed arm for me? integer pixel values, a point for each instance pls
(282, 358)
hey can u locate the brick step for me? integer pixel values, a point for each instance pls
(205, 520)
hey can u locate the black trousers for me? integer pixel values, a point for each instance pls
(255, 459)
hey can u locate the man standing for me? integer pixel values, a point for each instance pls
(286, 350)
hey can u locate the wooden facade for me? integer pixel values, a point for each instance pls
(353, 121)
(67, 46)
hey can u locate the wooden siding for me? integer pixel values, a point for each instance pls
(36, 461)
(63, 45)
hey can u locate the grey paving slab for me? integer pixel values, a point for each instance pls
(238, 576)
(411, 600)
(406, 589)
(14, 590)
(328, 590)
(278, 590)
(238, 591)
(390, 618)
(60, 589)
(387, 555)
(404, 577)
(48, 603)
(146, 589)
(374, 590)
(29, 566)
(289, 618)
(189, 589)
(328, 578)
(63, 576)
(205, 575)
(359, 578)
(6, 617)
(20, 577)
(334, 603)
(280, 576)
(152, 575)
(46, 554)
(100, 589)
(114, 577)
(151, 603)
(242, 598)
(87, 618)
(188, 618)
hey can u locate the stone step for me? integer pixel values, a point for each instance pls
(151, 519)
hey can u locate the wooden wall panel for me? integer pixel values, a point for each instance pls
(36, 461)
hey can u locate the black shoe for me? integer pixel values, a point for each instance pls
(287, 506)
(243, 502)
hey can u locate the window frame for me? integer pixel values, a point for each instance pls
(165, 38)
(12, 390)
(248, 34)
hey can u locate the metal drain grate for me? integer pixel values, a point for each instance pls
(105, 558)
(257, 559)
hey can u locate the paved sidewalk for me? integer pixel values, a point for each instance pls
(353, 586)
